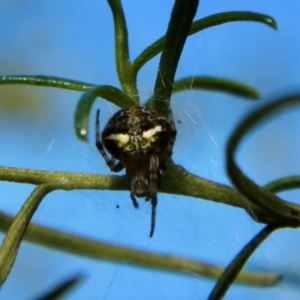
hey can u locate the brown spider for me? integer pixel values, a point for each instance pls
(141, 140)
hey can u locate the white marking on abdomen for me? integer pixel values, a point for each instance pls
(120, 137)
(151, 132)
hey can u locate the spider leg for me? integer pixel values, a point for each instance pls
(153, 182)
(153, 213)
(134, 202)
(114, 167)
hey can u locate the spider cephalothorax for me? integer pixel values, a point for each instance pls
(141, 140)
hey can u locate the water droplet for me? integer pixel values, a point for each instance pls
(83, 132)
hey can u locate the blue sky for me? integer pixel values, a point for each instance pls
(62, 39)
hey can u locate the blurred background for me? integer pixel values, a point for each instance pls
(75, 41)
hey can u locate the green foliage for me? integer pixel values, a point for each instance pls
(259, 202)
(61, 289)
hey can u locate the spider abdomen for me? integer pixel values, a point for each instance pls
(136, 133)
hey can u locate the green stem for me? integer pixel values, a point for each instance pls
(13, 238)
(185, 183)
(232, 271)
(180, 23)
(104, 251)
(207, 22)
(124, 68)
(283, 212)
(47, 81)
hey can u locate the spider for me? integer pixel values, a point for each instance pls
(141, 140)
